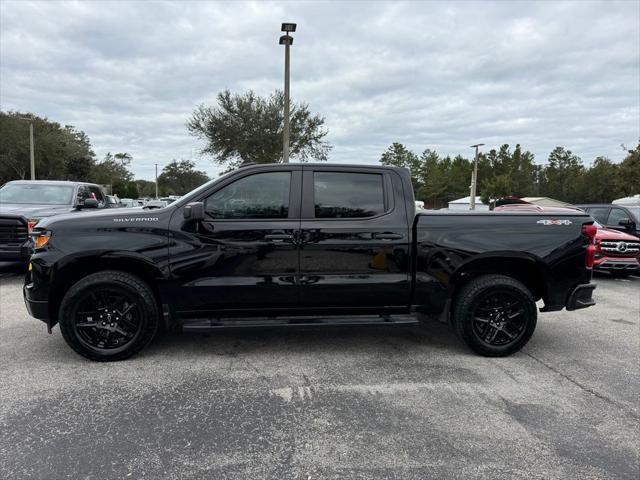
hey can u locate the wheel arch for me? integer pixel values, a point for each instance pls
(69, 271)
(528, 270)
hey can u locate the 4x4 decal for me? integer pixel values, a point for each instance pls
(554, 222)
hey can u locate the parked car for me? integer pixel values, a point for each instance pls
(112, 201)
(625, 218)
(615, 252)
(23, 203)
(128, 203)
(305, 244)
(151, 204)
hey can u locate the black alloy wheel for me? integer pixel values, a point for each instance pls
(495, 315)
(499, 317)
(107, 319)
(109, 315)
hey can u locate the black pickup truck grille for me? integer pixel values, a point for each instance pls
(13, 231)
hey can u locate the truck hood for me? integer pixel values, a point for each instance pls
(34, 211)
(106, 214)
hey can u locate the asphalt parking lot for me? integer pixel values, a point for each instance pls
(378, 402)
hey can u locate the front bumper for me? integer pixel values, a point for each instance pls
(37, 308)
(15, 252)
(581, 297)
(609, 264)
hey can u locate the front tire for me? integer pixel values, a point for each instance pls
(495, 315)
(108, 316)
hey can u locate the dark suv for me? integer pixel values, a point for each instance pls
(625, 218)
(23, 203)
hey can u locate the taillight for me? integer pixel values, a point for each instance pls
(590, 231)
(591, 256)
(31, 223)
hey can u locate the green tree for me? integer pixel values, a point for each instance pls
(562, 176)
(180, 177)
(113, 170)
(60, 152)
(600, 183)
(459, 177)
(629, 173)
(498, 186)
(245, 128)
(145, 188)
(131, 190)
(397, 155)
(508, 173)
(435, 183)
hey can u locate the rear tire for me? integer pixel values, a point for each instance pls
(495, 315)
(108, 316)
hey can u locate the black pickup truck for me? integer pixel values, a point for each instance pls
(304, 244)
(23, 203)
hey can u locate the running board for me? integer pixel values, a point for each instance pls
(203, 324)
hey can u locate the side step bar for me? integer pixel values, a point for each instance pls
(203, 324)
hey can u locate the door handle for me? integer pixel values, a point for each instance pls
(278, 237)
(387, 236)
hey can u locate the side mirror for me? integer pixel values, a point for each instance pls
(89, 203)
(194, 211)
(627, 223)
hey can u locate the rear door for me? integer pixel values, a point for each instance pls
(354, 241)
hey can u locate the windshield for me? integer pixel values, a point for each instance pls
(36, 194)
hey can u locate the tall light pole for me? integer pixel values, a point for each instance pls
(287, 41)
(156, 181)
(32, 157)
(474, 178)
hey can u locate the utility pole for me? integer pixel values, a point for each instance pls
(32, 158)
(474, 179)
(287, 41)
(156, 181)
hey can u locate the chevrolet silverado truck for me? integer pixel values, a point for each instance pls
(23, 203)
(304, 244)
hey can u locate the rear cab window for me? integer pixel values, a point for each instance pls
(348, 195)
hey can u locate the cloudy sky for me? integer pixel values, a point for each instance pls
(427, 74)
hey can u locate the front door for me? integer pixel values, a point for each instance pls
(243, 256)
(354, 250)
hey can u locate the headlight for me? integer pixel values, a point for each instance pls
(40, 238)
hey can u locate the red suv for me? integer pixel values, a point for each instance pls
(616, 252)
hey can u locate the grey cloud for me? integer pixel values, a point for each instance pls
(432, 75)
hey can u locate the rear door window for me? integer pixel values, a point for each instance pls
(348, 195)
